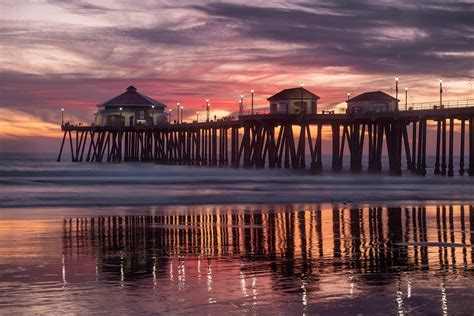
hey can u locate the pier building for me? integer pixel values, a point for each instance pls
(131, 108)
(294, 101)
(369, 102)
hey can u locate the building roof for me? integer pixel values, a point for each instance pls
(131, 97)
(372, 96)
(292, 93)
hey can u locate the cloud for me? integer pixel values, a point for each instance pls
(373, 37)
(190, 51)
(16, 124)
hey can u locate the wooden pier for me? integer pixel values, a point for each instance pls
(286, 141)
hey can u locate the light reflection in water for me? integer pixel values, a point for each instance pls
(305, 255)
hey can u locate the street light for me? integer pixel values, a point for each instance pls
(182, 114)
(177, 110)
(441, 93)
(62, 116)
(197, 116)
(241, 105)
(348, 95)
(207, 110)
(301, 101)
(169, 112)
(406, 98)
(252, 91)
(396, 90)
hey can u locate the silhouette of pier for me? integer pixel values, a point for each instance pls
(287, 140)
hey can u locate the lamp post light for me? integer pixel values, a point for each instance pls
(182, 112)
(197, 116)
(241, 105)
(251, 110)
(396, 91)
(62, 116)
(441, 93)
(348, 95)
(207, 110)
(406, 98)
(120, 115)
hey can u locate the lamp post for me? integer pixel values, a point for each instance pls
(120, 115)
(406, 98)
(251, 110)
(197, 116)
(348, 95)
(441, 93)
(301, 101)
(169, 111)
(182, 112)
(177, 111)
(396, 91)
(207, 110)
(62, 116)
(241, 105)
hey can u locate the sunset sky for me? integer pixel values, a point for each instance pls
(75, 54)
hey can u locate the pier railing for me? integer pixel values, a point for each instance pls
(436, 105)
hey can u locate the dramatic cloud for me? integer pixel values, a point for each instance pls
(76, 53)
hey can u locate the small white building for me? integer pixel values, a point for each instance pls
(131, 108)
(292, 101)
(374, 101)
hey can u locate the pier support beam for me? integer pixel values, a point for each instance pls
(336, 151)
(471, 147)
(461, 147)
(451, 148)
(438, 149)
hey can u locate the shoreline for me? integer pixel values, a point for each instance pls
(59, 212)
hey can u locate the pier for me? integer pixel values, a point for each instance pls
(288, 141)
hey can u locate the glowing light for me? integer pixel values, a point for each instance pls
(62, 109)
(209, 278)
(252, 91)
(64, 272)
(396, 78)
(302, 83)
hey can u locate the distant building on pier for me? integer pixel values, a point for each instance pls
(291, 101)
(374, 101)
(131, 108)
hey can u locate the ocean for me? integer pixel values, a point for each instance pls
(144, 238)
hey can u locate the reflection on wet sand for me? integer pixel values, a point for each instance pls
(280, 251)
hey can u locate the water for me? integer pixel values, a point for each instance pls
(143, 238)
(214, 259)
(37, 180)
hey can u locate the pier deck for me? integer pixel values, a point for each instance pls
(286, 140)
